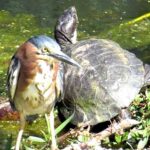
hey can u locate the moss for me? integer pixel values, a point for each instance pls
(86, 105)
(130, 35)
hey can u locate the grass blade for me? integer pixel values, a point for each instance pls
(62, 126)
(48, 124)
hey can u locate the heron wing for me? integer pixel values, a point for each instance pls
(60, 83)
(13, 74)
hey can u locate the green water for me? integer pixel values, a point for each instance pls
(21, 19)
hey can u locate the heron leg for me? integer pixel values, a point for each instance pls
(19, 137)
(52, 128)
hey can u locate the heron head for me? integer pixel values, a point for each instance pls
(49, 50)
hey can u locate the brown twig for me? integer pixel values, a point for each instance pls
(95, 140)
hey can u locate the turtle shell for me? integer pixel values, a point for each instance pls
(108, 81)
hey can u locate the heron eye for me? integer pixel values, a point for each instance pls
(46, 49)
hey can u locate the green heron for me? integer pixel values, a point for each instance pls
(35, 80)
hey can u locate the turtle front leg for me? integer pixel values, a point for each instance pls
(22, 126)
(125, 114)
(52, 129)
(84, 129)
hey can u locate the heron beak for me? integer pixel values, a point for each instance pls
(59, 55)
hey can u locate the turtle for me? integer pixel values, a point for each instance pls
(108, 81)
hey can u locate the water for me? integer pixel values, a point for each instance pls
(95, 16)
(21, 19)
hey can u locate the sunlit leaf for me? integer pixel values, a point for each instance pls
(36, 139)
(147, 93)
(28, 148)
(118, 138)
(142, 143)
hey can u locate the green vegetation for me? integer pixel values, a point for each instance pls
(138, 136)
(43, 142)
(130, 35)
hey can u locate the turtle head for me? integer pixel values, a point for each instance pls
(66, 27)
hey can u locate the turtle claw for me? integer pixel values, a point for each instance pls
(82, 126)
(128, 123)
